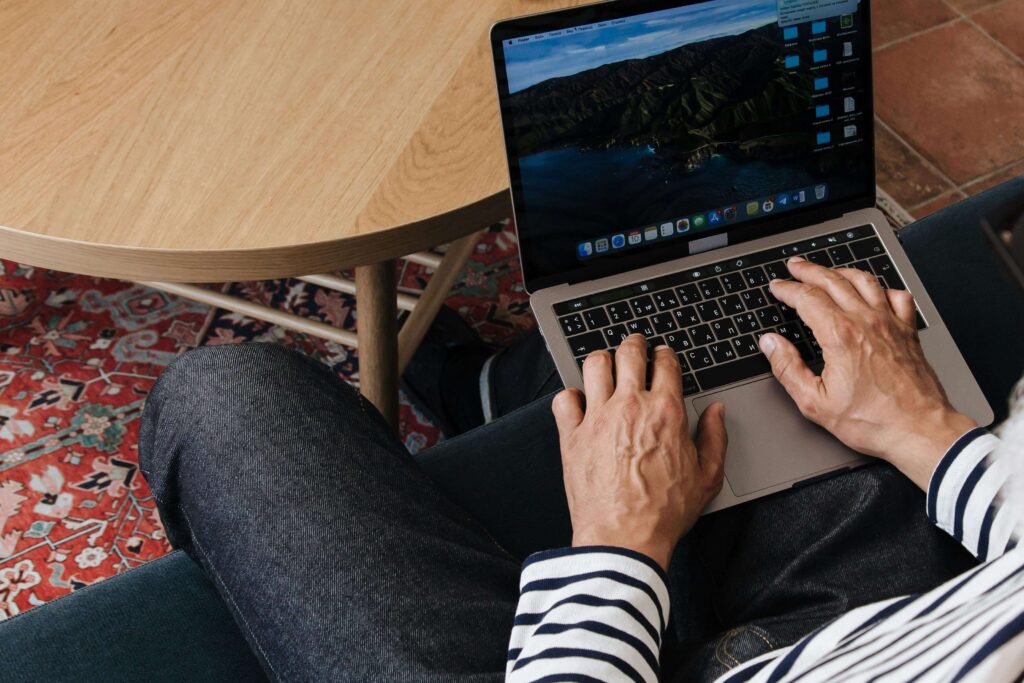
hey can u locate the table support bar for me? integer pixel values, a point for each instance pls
(257, 311)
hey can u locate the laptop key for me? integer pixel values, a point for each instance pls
(711, 289)
(620, 312)
(642, 305)
(792, 331)
(724, 329)
(583, 344)
(769, 317)
(745, 345)
(787, 312)
(572, 324)
(679, 341)
(732, 304)
(640, 326)
(614, 335)
(722, 352)
(698, 358)
(665, 300)
(841, 254)
(755, 276)
(690, 385)
(686, 317)
(882, 266)
(688, 294)
(736, 371)
(754, 299)
(596, 318)
(777, 271)
(865, 249)
(701, 335)
(708, 311)
(820, 257)
(663, 322)
(733, 282)
(747, 322)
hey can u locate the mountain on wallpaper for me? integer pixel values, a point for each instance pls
(730, 95)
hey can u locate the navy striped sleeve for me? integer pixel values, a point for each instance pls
(966, 495)
(597, 612)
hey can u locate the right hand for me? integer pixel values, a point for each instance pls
(876, 393)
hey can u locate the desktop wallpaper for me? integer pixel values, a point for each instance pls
(692, 109)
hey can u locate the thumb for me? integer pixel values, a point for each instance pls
(567, 408)
(789, 368)
(712, 440)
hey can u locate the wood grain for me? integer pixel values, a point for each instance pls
(202, 140)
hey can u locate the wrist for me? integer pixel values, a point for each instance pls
(659, 552)
(918, 451)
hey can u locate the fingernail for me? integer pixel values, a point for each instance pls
(662, 347)
(773, 282)
(767, 344)
(795, 259)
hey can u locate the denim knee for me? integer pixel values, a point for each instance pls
(231, 385)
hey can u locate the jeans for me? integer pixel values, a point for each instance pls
(343, 558)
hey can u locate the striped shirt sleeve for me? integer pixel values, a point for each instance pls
(588, 614)
(967, 495)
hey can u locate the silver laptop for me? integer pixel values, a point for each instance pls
(665, 159)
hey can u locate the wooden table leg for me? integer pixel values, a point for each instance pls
(438, 289)
(377, 325)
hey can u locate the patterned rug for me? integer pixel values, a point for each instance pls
(78, 356)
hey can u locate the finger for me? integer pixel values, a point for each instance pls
(902, 303)
(866, 285)
(631, 363)
(598, 383)
(568, 411)
(665, 374)
(712, 441)
(802, 385)
(814, 306)
(839, 288)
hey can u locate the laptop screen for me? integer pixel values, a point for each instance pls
(637, 130)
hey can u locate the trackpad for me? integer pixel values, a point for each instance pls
(770, 442)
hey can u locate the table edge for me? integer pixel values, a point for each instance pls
(264, 263)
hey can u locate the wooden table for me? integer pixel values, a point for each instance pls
(219, 140)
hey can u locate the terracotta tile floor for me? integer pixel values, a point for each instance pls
(949, 98)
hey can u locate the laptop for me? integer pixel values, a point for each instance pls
(665, 159)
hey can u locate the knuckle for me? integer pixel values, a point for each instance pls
(808, 408)
(668, 406)
(844, 329)
(630, 407)
(865, 280)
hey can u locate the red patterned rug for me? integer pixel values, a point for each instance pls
(77, 358)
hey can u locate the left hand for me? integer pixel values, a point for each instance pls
(877, 393)
(633, 477)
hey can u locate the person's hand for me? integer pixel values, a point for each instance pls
(877, 393)
(633, 477)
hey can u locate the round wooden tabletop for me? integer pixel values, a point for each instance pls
(202, 140)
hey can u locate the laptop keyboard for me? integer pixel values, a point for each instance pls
(713, 316)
